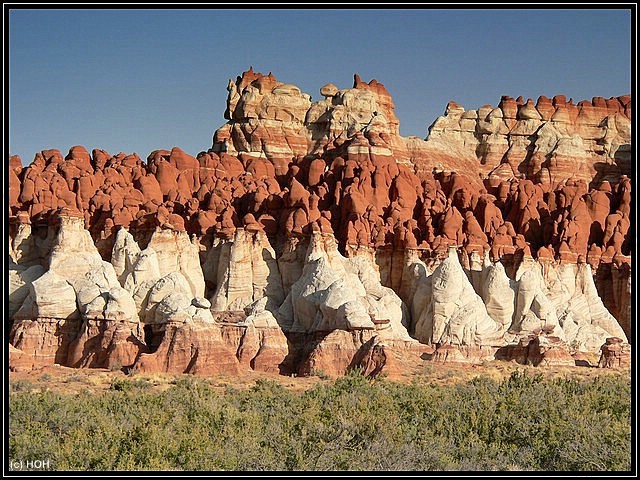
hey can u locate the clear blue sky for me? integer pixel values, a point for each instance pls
(139, 80)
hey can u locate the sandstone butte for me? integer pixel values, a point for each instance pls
(312, 237)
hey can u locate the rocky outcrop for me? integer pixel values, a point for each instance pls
(339, 351)
(549, 142)
(556, 299)
(336, 293)
(454, 313)
(244, 270)
(539, 350)
(462, 354)
(77, 308)
(106, 344)
(19, 361)
(264, 349)
(311, 227)
(43, 341)
(375, 358)
(192, 347)
(20, 279)
(615, 353)
(613, 284)
(343, 167)
(176, 253)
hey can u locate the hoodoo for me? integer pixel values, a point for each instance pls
(312, 236)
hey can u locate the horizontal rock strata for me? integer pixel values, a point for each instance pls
(312, 237)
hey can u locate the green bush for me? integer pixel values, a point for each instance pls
(525, 422)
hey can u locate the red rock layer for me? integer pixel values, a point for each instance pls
(339, 165)
(364, 200)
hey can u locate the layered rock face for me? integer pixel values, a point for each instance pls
(548, 141)
(313, 237)
(76, 313)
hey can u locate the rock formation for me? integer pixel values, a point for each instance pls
(615, 353)
(453, 313)
(548, 142)
(77, 313)
(313, 237)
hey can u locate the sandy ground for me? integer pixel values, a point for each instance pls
(72, 381)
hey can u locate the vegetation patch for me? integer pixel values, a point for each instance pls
(524, 422)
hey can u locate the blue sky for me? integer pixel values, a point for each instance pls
(139, 80)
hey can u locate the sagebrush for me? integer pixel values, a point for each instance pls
(525, 422)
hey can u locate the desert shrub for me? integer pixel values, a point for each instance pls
(21, 385)
(525, 422)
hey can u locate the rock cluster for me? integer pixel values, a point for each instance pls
(615, 353)
(548, 141)
(312, 236)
